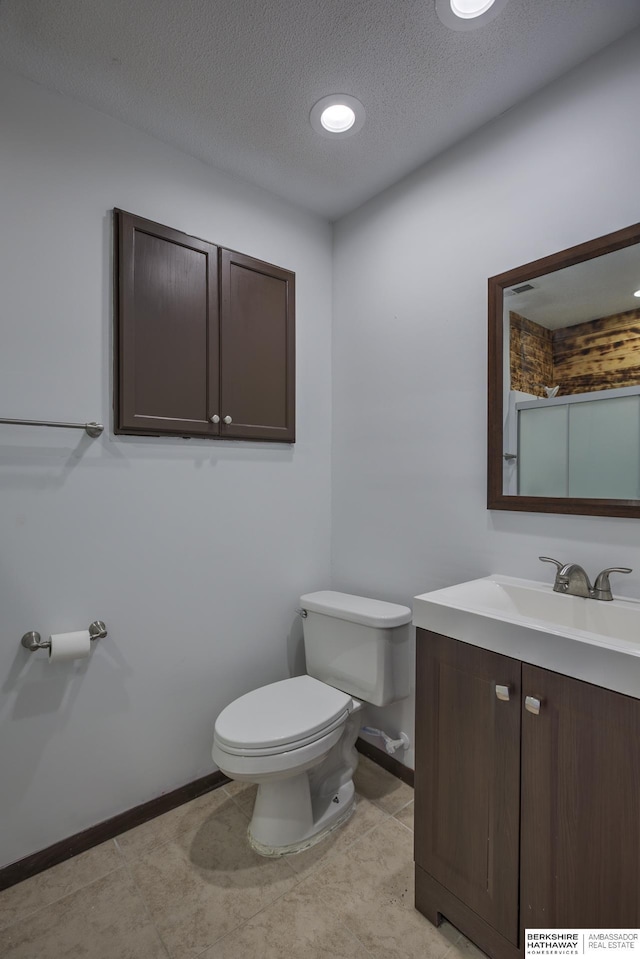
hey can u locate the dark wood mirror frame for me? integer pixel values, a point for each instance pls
(496, 498)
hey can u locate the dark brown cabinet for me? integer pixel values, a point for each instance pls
(205, 338)
(257, 348)
(527, 816)
(580, 805)
(467, 777)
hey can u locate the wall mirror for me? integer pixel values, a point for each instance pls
(564, 381)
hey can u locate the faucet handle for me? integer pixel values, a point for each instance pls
(602, 578)
(548, 559)
(602, 586)
(561, 582)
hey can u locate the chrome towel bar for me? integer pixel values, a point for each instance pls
(91, 429)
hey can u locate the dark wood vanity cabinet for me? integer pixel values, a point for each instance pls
(205, 338)
(524, 819)
(467, 777)
(580, 805)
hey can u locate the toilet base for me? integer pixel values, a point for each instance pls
(333, 812)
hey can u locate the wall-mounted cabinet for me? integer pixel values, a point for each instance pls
(205, 338)
(527, 797)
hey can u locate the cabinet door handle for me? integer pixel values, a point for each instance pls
(502, 693)
(215, 418)
(532, 705)
(228, 420)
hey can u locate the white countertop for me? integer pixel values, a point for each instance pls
(592, 640)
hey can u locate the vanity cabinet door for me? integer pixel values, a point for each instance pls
(467, 779)
(580, 853)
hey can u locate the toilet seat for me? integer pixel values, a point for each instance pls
(241, 750)
(277, 764)
(283, 716)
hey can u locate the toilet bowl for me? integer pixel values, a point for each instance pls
(296, 738)
(274, 737)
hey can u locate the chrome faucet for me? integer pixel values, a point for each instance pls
(572, 580)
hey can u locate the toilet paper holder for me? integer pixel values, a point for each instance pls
(33, 640)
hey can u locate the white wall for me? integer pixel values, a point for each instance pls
(193, 552)
(410, 331)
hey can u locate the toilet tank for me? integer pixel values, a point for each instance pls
(358, 645)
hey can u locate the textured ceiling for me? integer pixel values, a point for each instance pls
(233, 83)
(582, 292)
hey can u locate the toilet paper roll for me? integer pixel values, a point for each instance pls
(69, 645)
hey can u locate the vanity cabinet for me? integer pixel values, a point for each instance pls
(205, 338)
(526, 816)
(580, 805)
(467, 777)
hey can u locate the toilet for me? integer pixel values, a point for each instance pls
(296, 738)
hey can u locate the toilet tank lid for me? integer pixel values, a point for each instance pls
(356, 609)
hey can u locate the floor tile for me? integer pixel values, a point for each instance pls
(192, 887)
(142, 839)
(381, 787)
(58, 881)
(293, 927)
(204, 883)
(244, 794)
(370, 888)
(103, 920)
(364, 817)
(464, 949)
(405, 815)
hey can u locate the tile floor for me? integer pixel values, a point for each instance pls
(187, 884)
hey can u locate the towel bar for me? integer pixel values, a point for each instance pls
(91, 429)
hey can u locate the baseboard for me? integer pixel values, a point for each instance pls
(382, 758)
(94, 835)
(39, 861)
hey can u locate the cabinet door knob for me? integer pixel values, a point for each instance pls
(215, 418)
(228, 420)
(532, 705)
(502, 693)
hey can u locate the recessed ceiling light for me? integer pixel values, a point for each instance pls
(470, 8)
(637, 293)
(338, 115)
(338, 118)
(468, 14)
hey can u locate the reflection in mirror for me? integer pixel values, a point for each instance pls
(565, 381)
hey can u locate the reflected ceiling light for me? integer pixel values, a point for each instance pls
(468, 14)
(338, 115)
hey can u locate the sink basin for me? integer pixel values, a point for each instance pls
(591, 640)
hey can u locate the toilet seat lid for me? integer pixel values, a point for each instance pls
(281, 714)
